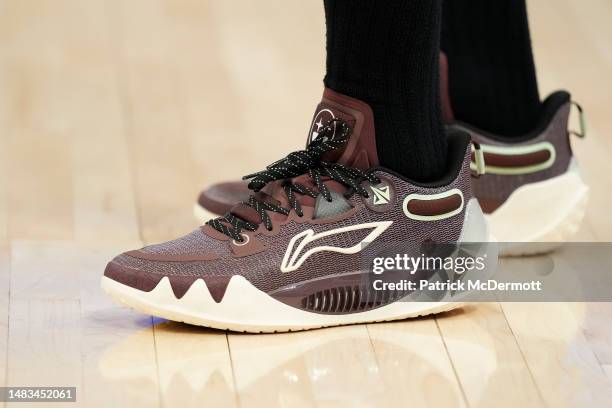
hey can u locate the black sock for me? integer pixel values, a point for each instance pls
(386, 54)
(491, 70)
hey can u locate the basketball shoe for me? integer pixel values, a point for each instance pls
(532, 190)
(297, 253)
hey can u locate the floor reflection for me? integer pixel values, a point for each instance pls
(356, 366)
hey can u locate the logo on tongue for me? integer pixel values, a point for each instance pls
(321, 119)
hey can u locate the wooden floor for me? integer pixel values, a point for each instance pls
(113, 114)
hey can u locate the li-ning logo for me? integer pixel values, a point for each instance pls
(382, 195)
(294, 258)
(319, 122)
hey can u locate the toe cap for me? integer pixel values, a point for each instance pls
(135, 278)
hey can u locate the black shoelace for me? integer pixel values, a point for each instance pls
(333, 136)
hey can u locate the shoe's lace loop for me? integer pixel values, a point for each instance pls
(333, 136)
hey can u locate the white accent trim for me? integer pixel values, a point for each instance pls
(243, 243)
(381, 195)
(313, 135)
(479, 166)
(515, 151)
(292, 259)
(429, 197)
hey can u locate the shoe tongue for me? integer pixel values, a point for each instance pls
(360, 149)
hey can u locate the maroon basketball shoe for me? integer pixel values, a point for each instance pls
(298, 253)
(532, 190)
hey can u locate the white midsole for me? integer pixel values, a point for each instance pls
(246, 308)
(549, 211)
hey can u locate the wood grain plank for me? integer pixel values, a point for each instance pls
(56, 293)
(608, 370)
(161, 153)
(105, 220)
(166, 87)
(595, 318)
(578, 65)
(553, 339)
(104, 201)
(274, 57)
(63, 124)
(119, 362)
(194, 366)
(4, 179)
(44, 344)
(217, 103)
(501, 377)
(328, 367)
(37, 129)
(273, 370)
(563, 365)
(4, 243)
(44, 347)
(4, 312)
(413, 362)
(568, 66)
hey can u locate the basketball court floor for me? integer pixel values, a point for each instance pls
(114, 114)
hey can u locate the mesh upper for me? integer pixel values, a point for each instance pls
(193, 243)
(263, 269)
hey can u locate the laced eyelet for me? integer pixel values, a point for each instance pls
(245, 240)
(307, 162)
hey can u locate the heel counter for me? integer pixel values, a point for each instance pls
(475, 225)
(466, 174)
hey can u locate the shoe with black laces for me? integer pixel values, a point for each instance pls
(296, 253)
(532, 190)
